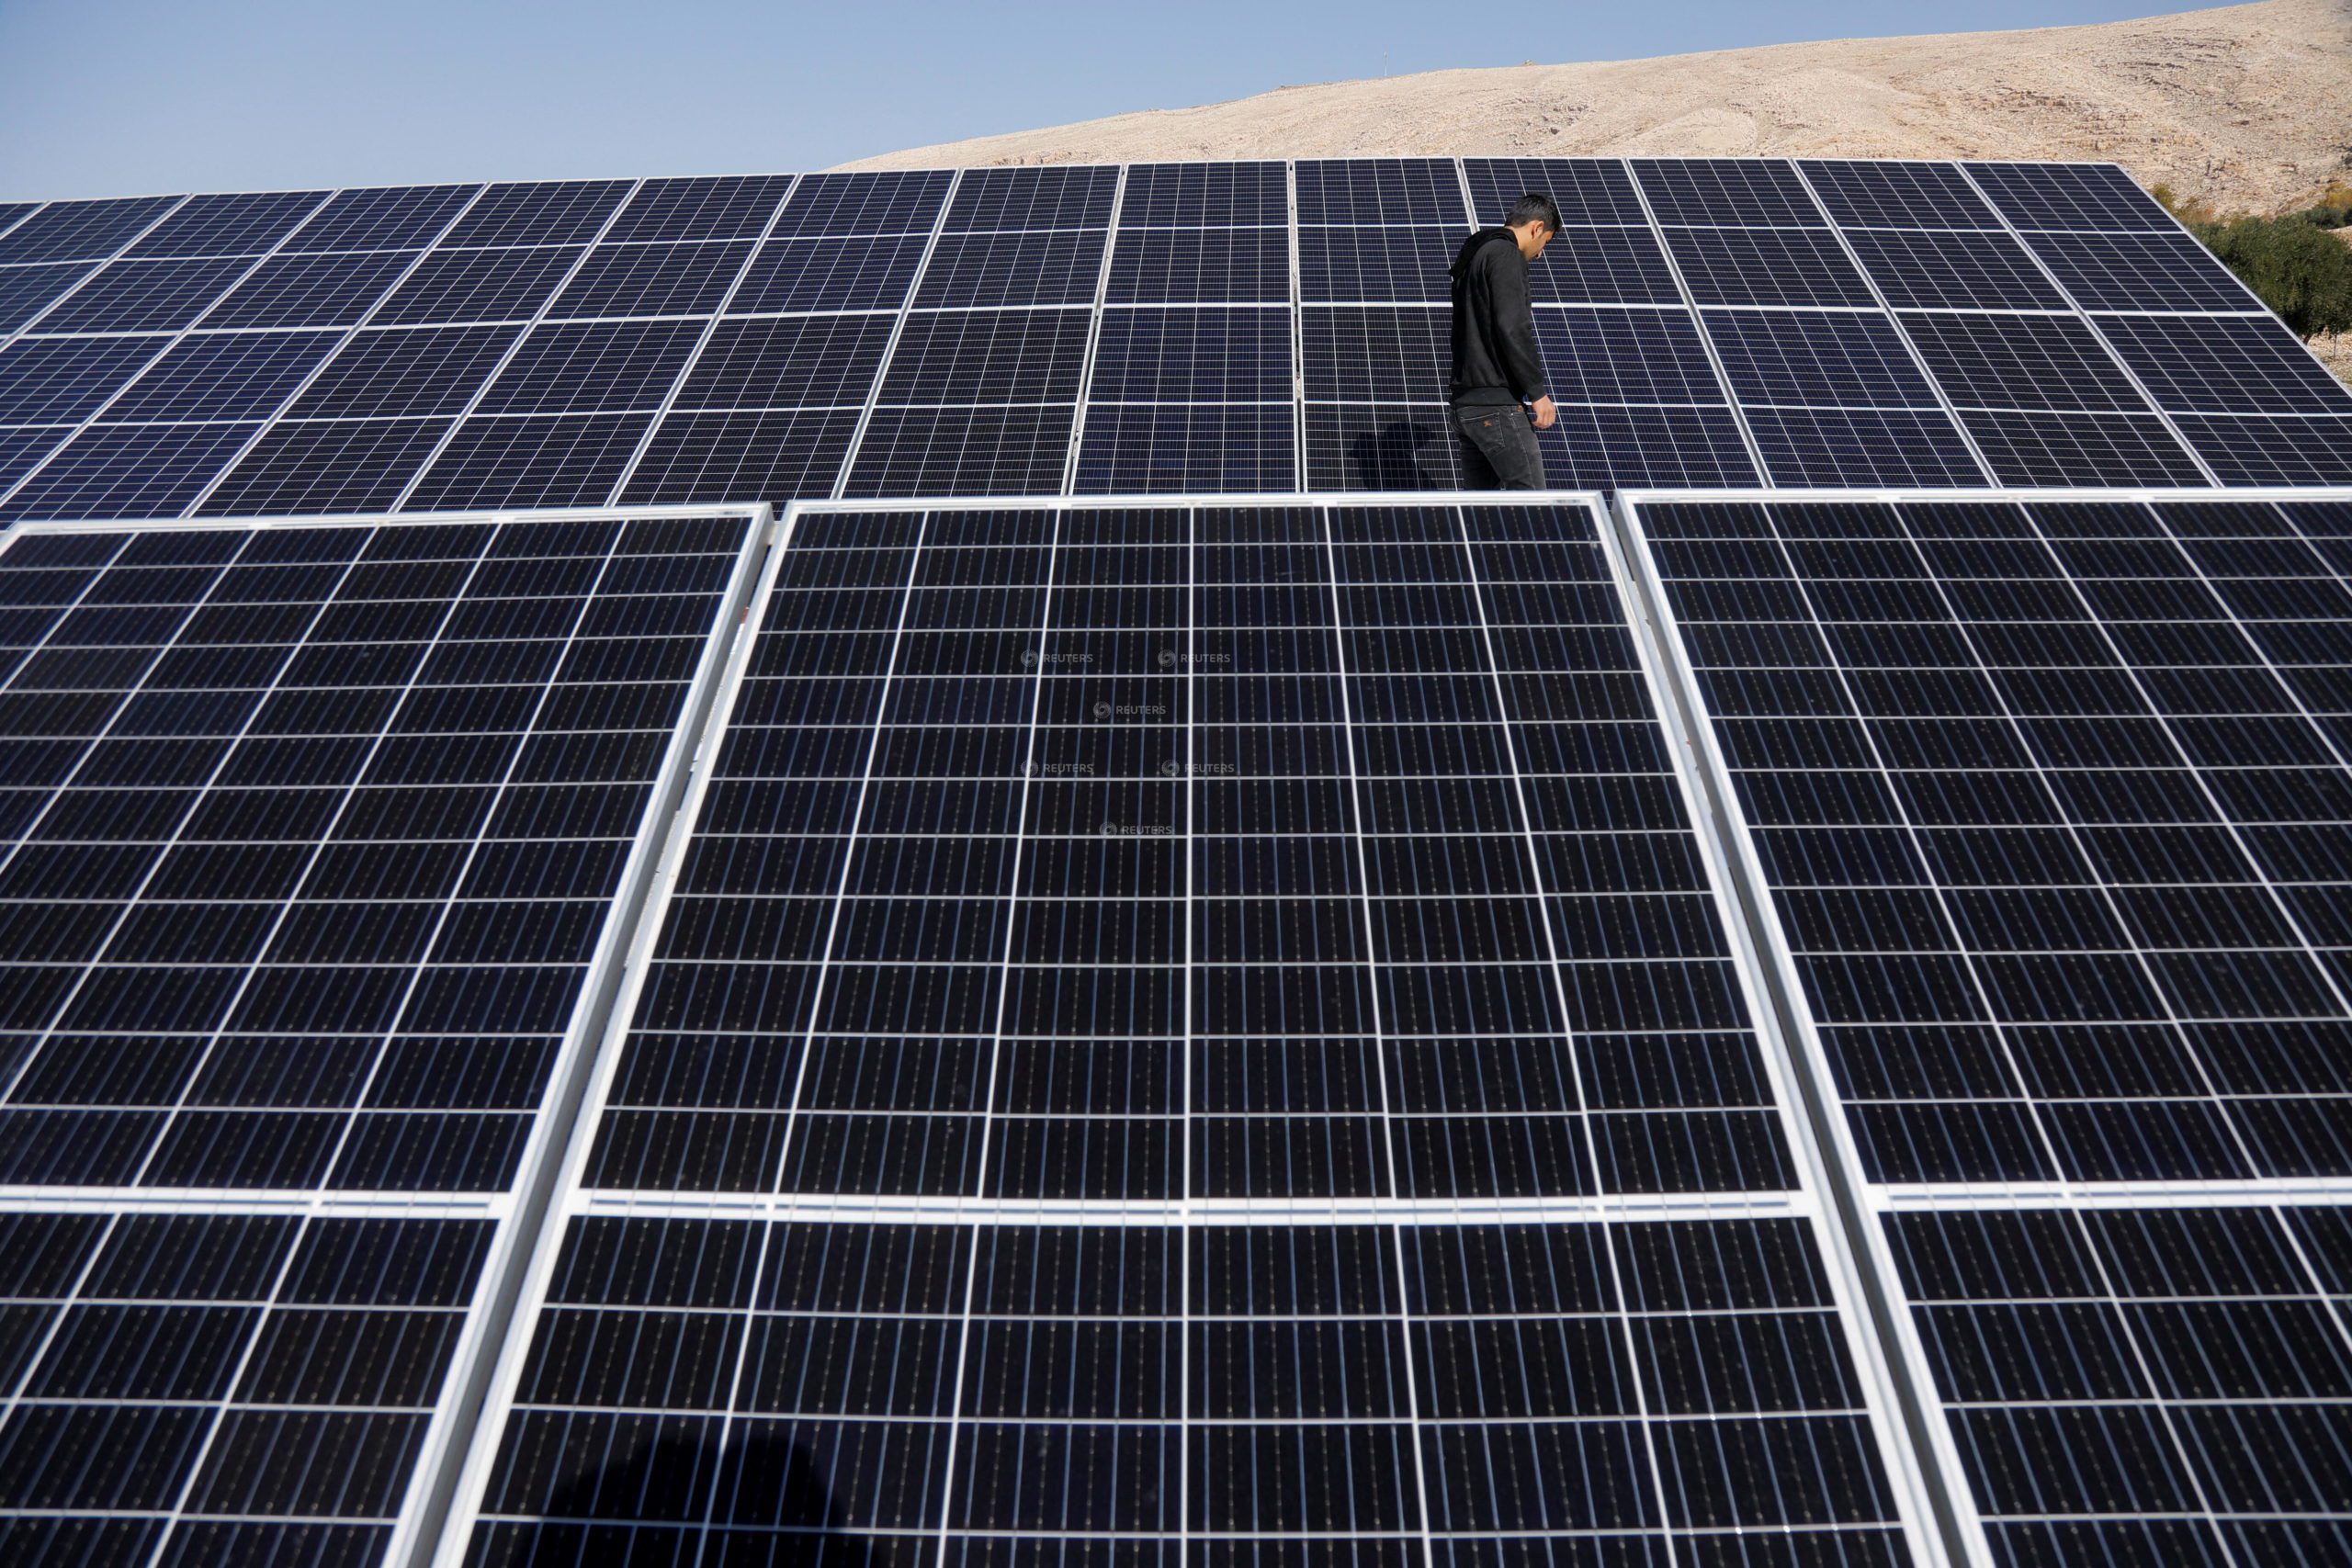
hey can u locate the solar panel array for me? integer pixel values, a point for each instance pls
(1806, 1022)
(313, 836)
(1187, 1030)
(2050, 802)
(1205, 328)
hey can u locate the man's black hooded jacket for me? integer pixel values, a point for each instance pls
(1495, 357)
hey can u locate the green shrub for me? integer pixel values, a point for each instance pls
(2297, 268)
(2302, 271)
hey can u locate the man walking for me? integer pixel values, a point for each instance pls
(1497, 370)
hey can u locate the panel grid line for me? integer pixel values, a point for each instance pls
(1093, 335)
(898, 330)
(986, 1098)
(1943, 398)
(481, 388)
(1584, 1120)
(1690, 308)
(1374, 1011)
(32, 323)
(171, 341)
(2064, 1183)
(2091, 323)
(350, 335)
(694, 355)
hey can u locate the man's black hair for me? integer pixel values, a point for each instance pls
(1531, 207)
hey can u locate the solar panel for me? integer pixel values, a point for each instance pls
(2068, 331)
(1101, 1072)
(2043, 799)
(84, 231)
(318, 840)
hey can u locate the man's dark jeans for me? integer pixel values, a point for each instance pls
(1498, 450)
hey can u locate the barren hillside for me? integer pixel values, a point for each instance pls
(2248, 105)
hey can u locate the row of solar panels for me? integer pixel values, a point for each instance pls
(1195, 1029)
(1152, 328)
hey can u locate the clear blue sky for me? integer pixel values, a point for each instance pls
(103, 98)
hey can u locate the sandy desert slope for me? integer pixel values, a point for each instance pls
(2247, 106)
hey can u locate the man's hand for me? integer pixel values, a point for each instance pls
(1545, 415)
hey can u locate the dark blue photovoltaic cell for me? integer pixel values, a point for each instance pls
(1893, 193)
(1366, 265)
(1054, 267)
(1185, 266)
(555, 213)
(1602, 265)
(1766, 267)
(278, 1374)
(1190, 195)
(387, 217)
(1624, 447)
(962, 451)
(2071, 196)
(897, 201)
(652, 280)
(962, 356)
(21, 448)
(771, 457)
(44, 380)
(2021, 362)
(82, 230)
(1540, 1345)
(848, 272)
(1375, 355)
(1369, 446)
(2224, 365)
(1066, 196)
(309, 291)
(2033, 447)
(2304, 450)
(1863, 447)
(1834, 359)
(2151, 1385)
(1953, 270)
(1623, 356)
(26, 291)
(223, 376)
(144, 296)
(733, 207)
(1385, 193)
(787, 362)
(530, 461)
(229, 225)
(1724, 190)
(574, 367)
(1585, 190)
(345, 809)
(479, 285)
(2141, 272)
(1156, 356)
(128, 471)
(419, 370)
(1198, 447)
(326, 466)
